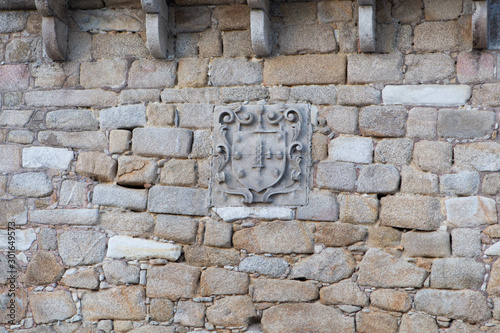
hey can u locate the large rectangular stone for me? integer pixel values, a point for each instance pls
(457, 273)
(382, 121)
(314, 94)
(103, 73)
(270, 290)
(89, 97)
(120, 303)
(411, 212)
(117, 196)
(437, 36)
(470, 211)
(486, 95)
(47, 157)
(195, 115)
(465, 124)
(337, 176)
(65, 216)
(118, 45)
(10, 158)
(357, 95)
(190, 95)
(172, 200)
(172, 281)
(123, 116)
(426, 244)
(305, 69)
(127, 223)
(307, 38)
(481, 156)
(428, 67)
(78, 140)
(426, 94)
(152, 74)
(235, 72)
(73, 119)
(231, 214)
(370, 68)
(167, 142)
(353, 149)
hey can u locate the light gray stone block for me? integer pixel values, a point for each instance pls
(15, 118)
(417, 182)
(337, 176)
(351, 149)
(465, 124)
(167, 142)
(466, 242)
(31, 184)
(272, 267)
(65, 216)
(314, 94)
(117, 196)
(464, 183)
(470, 211)
(377, 178)
(394, 151)
(24, 239)
(382, 121)
(197, 116)
(457, 273)
(235, 72)
(123, 116)
(81, 247)
(181, 229)
(78, 140)
(230, 214)
(426, 94)
(341, 119)
(172, 200)
(322, 206)
(480, 156)
(47, 157)
(10, 158)
(426, 244)
(411, 212)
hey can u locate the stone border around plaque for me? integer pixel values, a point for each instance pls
(261, 155)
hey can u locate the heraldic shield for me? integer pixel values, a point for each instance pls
(260, 154)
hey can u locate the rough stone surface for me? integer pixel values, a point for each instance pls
(391, 300)
(340, 265)
(358, 209)
(24, 239)
(136, 171)
(101, 73)
(275, 237)
(51, 307)
(380, 269)
(457, 273)
(231, 311)
(428, 67)
(124, 116)
(434, 156)
(13, 211)
(118, 272)
(384, 121)
(71, 98)
(337, 176)
(466, 242)
(46, 157)
(421, 123)
(167, 142)
(43, 269)
(190, 313)
(351, 149)
(288, 318)
(307, 39)
(96, 165)
(152, 74)
(343, 293)
(120, 303)
(468, 305)
(417, 182)
(416, 322)
(127, 223)
(470, 211)
(65, 216)
(394, 151)
(426, 94)
(86, 279)
(80, 247)
(426, 244)
(272, 267)
(465, 124)
(284, 291)
(235, 283)
(47, 239)
(368, 68)
(218, 234)
(491, 184)
(411, 212)
(480, 156)
(180, 229)
(140, 249)
(234, 72)
(377, 178)
(177, 172)
(172, 281)
(77, 140)
(357, 95)
(117, 196)
(20, 301)
(171, 200)
(31, 184)
(161, 310)
(338, 234)
(341, 119)
(210, 256)
(160, 115)
(367, 322)
(464, 183)
(322, 206)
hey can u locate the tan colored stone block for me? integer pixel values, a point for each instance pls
(192, 72)
(178, 173)
(233, 17)
(96, 165)
(119, 141)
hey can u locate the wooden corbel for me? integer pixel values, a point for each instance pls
(54, 27)
(156, 27)
(480, 34)
(367, 25)
(260, 27)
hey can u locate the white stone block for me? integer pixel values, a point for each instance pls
(22, 239)
(230, 214)
(351, 149)
(135, 248)
(470, 211)
(46, 157)
(426, 94)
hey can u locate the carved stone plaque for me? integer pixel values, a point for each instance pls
(261, 155)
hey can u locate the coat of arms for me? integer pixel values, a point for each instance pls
(260, 153)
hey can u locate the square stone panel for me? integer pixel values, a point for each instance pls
(261, 155)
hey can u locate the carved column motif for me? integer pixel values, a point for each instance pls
(54, 27)
(367, 25)
(156, 26)
(260, 27)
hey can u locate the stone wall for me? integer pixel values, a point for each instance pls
(105, 173)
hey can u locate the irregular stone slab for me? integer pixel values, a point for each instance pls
(434, 156)
(123, 116)
(426, 244)
(81, 247)
(289, 318)
(31, 184)
(480, 156)
(269, 290)
(231, 214)
(231, 311)
(275, 237)
(343, 293)
(118, 272)
(383, 121)
(470, 211)
(418, 322)
(494, 282)
(210, 256)
(172, 200)
(358, 209)
(467, 305)
(128, 224)
(96, 165)
(391, 300)
(331, 265)
(493, 250)
(491, 184)
(220, 281)
(465, 124)
(161, 310)
(80, 120)
(377, 178)
(50, 307)
(339, 234)
(417, 182)
(165, 142)
(13, 211)
(322, 206)
(77, 140)
(120, 303)
(139, 249)
(136, 171)
(457, 273)
(24, 239)
(43, 269)
(172, 281)
(369, 322)
(190, 313)
(382, 237)
(86, 279)
(463, 183)
(65, 216)
(117, 196)
(380, 269)
(272, 267)
(20, 301)
(426, 94)
(351, 149)
(411, 212)
(46, 157)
